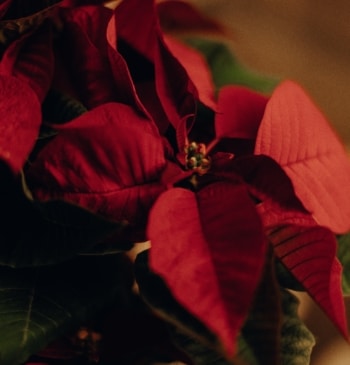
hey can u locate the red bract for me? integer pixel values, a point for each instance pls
(20, 122)
(107, 160)
(295, 134)
(83, 50)
(305, 248)
(309, 252)
(240, 111)
(209, 248)
(176, 92)
(31, 60)
(194, 64)
(26, 70)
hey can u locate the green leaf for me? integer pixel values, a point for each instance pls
(36, 233)
(344, 257)
(226, 69)
(296, 340)
(203, 355)
(38, 305)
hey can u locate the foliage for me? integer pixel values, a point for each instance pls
(114, 134)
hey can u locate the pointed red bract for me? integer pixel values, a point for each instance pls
(239, 112)
(107, 160)
(308, 251)
(296, 134)
(177, 93)
(197, 69)
(20, 112)
(84, 51)
(31, 60)
(209, 249)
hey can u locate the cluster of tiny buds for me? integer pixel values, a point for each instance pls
(196, 158)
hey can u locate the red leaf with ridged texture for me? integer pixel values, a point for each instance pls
(296, 134)
(107, 160)
(177, 93)
(89, 68)
(136, 73)
(309, 252)
(209, 248)
(31, 60)
(239, 112)
(20, 112)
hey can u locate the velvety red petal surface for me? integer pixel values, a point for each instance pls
(20, 112)
(309, 252)
(239, 113)
(107, 160)
(296, 134)
(83, 49)
(31, 60)
(209, 249)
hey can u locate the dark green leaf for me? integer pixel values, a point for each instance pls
(204, 355)
(344, 257)
(38, 305)
(36, 233)
(296, 340)
(226, 69)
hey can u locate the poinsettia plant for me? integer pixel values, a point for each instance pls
(114, 133)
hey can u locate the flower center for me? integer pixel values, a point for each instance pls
(196, 158)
